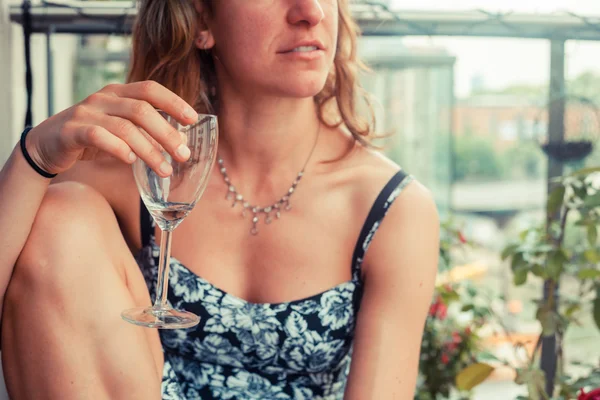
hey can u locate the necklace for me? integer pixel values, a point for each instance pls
(283, 204)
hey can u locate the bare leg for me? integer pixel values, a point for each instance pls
(62, 335)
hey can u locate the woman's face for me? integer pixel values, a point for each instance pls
(277, 47)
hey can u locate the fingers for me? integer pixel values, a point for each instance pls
(95, 136)
(132, 113)
(143, 145)
(159, 97)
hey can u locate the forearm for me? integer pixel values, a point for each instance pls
(21, 193)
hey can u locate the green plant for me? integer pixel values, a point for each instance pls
(573, 207)
(451, 342)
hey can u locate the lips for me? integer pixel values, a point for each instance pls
(303, 47)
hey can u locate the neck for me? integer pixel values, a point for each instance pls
(265, 142)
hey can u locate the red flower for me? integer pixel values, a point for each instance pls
(462, 238)
(451, 347)
(438, 309)
(445, 360)
(593, 395)
(456, 338)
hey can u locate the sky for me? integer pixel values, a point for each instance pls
(503, 62)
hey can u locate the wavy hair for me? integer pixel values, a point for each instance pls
(164, 51)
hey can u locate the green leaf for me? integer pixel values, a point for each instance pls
(585, 171)
(592, 256)
(472, 291)
(523, 235)
(572, 309)
(588, 273)
(518, 262)
(520, 276)
(533, 378)
(555, 264)
(467, 307)
(536, 382)
(449, 296)
(473, 375)
(592, 234)
(488, 356)
(509, 251)
(592, 201)
(548, 319)
(539, 271)
(555, 199)
(597, 307)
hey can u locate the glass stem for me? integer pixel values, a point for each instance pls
(162, 286)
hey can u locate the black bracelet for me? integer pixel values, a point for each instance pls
(28, 157)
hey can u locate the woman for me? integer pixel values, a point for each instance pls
(280, 308)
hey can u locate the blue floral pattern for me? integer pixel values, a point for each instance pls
(245, 351)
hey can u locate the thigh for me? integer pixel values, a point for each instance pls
(62, 335)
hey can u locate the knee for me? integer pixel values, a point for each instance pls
(70, 220)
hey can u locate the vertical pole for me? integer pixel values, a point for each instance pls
(556, 134)
(6, 84)
(50, 69)
(452, 138)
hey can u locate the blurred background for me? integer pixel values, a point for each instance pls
(472, 90)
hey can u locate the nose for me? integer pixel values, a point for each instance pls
(307, 12)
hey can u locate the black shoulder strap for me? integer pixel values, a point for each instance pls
(378, 211)
(146, 224)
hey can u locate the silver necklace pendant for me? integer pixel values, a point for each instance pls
(274, 210)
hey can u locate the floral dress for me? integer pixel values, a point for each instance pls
(263, 351)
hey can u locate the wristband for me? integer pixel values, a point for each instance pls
(28, 157)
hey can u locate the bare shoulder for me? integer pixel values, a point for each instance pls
(373, 171)
(411, 226)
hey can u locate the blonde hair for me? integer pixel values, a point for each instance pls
(164, 51)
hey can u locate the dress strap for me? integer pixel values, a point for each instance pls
(146, 225)
(382, 204)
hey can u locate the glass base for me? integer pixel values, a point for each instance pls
(160, 317)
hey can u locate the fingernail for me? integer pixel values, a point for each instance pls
(165, 168)
(183, 151)
(132, 157)
(189, 113)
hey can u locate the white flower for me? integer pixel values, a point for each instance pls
(174, 338)
(217, 350)
(185, 284)
(248, 386)
(593, 180)
(200, 375)
(222, 314)
(306, 307)
(311, 353)
(302, 393)
(295, 325)
(170, 387)
(337, 309)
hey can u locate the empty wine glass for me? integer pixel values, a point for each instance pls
(169, 200)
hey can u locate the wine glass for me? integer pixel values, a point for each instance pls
(169, 200)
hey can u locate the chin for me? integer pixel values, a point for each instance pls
(302, 86)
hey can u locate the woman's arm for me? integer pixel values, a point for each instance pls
(21, 193)
(105, 123)
(400, 269)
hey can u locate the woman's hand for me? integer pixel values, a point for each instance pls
(109, 121)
